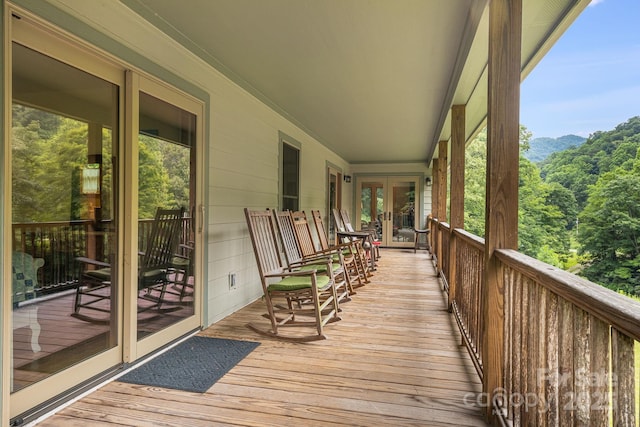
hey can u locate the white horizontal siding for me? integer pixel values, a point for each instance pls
(243, 146)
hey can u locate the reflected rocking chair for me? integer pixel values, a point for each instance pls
(95, 290)
(285, 288)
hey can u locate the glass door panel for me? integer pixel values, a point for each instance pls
(372, 206)
(401, 205)
(65, 288)
(166, 181)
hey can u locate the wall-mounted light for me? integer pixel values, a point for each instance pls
(428, 181)
(347, 178)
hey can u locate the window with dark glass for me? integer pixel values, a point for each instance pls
(290, 177)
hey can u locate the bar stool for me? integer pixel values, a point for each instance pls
(417, 244)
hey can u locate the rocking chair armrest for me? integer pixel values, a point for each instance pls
(312, 260)
(317, 258)
(91, 261)
(331, 251)
(358, 234)
(292, 273)
(339, 247)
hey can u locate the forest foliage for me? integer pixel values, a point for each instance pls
(49, 152)
(579, 209)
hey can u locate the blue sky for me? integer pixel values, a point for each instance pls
(590, 79)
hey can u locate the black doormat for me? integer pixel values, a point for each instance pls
(193, 365)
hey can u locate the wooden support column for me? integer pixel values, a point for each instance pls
(443, 152)
(435, 248)
(456, 212)
(501, 225)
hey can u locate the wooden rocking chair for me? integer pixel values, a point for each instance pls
(300, 253)
(94, 291)
(281, 283)
(343, 259)
(361, 242)
(349, 251)
(373, 240)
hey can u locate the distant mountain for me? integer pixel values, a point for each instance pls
(542, 147)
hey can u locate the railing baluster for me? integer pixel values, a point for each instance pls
(580, 400)
(565, 363)
(548, 372)
(539, 362)
(623, 375)
(598, 381)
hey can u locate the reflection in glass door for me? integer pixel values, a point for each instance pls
(166, 208)
(389, 206)
(64, 169)
(85, 157)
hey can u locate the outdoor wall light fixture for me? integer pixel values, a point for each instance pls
(428, 181)
(347, 178)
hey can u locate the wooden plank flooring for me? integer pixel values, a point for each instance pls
(395, 359)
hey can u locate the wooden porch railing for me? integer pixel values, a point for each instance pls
(60, 243)
(568, 345)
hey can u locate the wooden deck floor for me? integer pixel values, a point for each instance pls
(394, 360)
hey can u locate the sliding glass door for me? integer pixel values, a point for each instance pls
(65, 222)
(167, 134)
(103, 187)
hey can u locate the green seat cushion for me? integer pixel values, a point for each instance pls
(102, 274)
(294, 283)
(179, 262)
(320, 268)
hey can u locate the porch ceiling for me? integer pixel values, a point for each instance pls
(373, 80)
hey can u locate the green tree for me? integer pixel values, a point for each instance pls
(578, 168)
(475, 184)
(541, 223)
(26, 191)
(60, 164)
(610, 231)
(153, 186)
(176, 161)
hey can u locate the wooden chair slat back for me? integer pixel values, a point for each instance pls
(303, 233)
(346, 220)
(162, 243)
(338, 220)
(288, 237)
(321, 231)
(264, 241)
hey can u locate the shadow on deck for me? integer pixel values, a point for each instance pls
(395, 359)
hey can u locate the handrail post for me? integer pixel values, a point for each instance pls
(501, 224)
(457, 192)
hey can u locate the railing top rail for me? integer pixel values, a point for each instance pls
(443, 225)
(619, 311)
(50, 223)
(472, 239)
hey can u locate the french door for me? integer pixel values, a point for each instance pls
(389, 205)
(95, 151)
